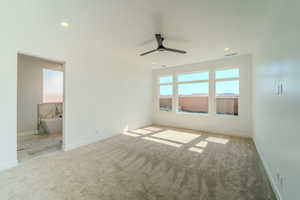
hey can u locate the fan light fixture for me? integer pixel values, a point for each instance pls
(161, 47)
(64, 24)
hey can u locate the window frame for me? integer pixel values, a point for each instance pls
(177, 83)
(43, 83)
(215, 80)
(211, 90)
(158, 84)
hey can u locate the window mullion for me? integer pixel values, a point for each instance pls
(166, 83)
(228, 79)
(186, 82)
(175, 94)
(212, 93)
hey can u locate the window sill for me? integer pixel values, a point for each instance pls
(227, 116)
(193, 114)
(52, 102)
(164, 111)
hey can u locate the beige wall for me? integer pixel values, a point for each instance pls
(30, 90)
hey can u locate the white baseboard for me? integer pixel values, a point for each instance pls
(268, 171)
(8, 165)
(68, 147)
(32, 132)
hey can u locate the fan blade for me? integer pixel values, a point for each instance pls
(148, 52)
(159, 39)
(175, 50)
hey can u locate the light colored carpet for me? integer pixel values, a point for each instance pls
(145, 164)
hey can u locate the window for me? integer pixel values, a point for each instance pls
(166, 79)
(52, 86)
(227, 91)
(165, 93)
(193, 92)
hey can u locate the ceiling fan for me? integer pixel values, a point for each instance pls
(161, 47)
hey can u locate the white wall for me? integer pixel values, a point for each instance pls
(277, 118)
(8, 99)
(30, 90)
(240, 125)
(103, 91)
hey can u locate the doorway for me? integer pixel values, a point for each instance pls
(40, 107)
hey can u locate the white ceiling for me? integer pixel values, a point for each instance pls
(126, 28)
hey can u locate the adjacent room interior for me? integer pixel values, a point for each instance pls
(160, 99)
(40, 106)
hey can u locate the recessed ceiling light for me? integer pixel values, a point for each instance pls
(64, 24)
(153, 63)
(227, 49)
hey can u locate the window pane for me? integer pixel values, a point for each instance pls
(193, 77)
(193, 97)
(228, 88)
(166, 79)
(165, 97)
(165, 90)
(227, 97)
(193, 89)
(52, 86)
(228, 73)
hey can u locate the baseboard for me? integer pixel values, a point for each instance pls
(68, 147)
(268, 171)
(33, 132)
(8, 165)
